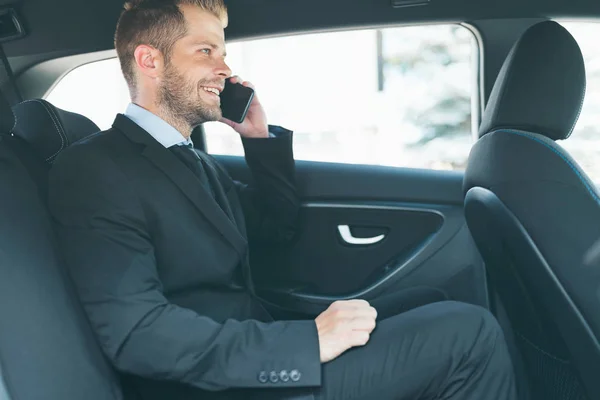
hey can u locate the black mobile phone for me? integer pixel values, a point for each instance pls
(235, 101)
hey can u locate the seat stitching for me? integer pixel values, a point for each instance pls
(15, 121)
(63, 136)
(538, 348)
(55, 121)
(579, 111)
(57, 125)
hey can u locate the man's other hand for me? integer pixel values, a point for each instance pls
(255, 123)
(345, 324)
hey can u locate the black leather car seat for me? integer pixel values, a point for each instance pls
(534, 213)
(47, 349)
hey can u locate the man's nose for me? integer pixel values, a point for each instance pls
(223, 70)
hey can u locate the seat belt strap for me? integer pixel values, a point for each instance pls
(8, 85)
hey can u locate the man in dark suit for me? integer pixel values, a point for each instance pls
(156, 237)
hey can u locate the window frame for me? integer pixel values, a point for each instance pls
(477, 83)
(66, 65)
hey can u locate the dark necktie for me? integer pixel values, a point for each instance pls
(196, 163)
(192, 160)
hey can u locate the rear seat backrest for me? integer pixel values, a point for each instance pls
(48, 129)
(47, 349)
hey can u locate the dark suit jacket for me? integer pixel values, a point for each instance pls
(162, 269)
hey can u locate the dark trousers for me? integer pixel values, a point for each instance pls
(446, 350)
(423, 348)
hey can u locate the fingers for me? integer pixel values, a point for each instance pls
(237, 79)
(355, 315)
(354, 303)
(362, 324)
(354, 308)
(357, 302)
(358, 338)
(365, 312)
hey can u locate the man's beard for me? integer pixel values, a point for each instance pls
(180, 98)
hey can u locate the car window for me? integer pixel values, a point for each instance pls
(584, 143)
(96, 90)
(397, 96)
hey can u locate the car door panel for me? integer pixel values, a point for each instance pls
(419, 212)
(322, 263)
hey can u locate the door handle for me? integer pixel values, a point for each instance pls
(347, 237)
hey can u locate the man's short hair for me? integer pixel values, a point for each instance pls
(157, 23)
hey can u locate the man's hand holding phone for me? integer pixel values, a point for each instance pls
(238, 99)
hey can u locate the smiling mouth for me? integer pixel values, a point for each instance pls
(212, 90)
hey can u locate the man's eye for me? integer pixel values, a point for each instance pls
(205, 51)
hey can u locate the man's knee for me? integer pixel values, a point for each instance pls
(473, 317)
(473, 326)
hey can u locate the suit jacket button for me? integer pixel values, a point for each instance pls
(284, 376)
(273, 377)
(263, 377)
(295, 375)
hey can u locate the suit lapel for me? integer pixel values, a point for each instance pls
(185, 180)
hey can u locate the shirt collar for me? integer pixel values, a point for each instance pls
(157, 127)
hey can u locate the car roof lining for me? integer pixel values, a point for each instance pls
(53, 32)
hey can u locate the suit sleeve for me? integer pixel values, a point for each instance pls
(109, 250)
(270, 202)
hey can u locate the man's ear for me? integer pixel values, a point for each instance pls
(149, 61)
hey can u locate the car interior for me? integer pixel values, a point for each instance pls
(510, 229)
